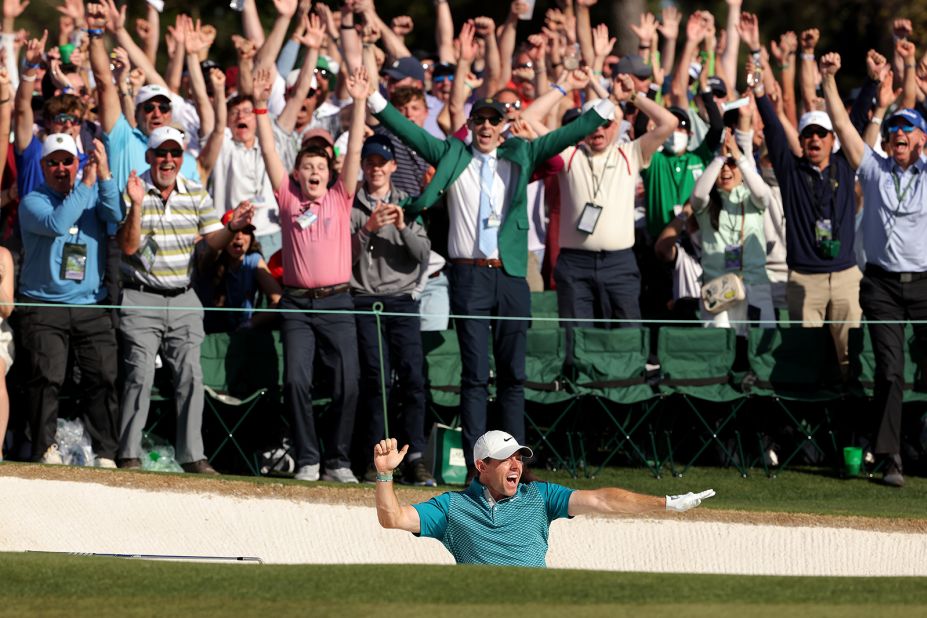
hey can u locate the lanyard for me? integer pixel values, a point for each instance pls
(597, 182)
(898, 192)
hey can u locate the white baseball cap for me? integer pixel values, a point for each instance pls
(151, 91)
(165, 134)
(818, 118)
(293, 75)
(59, 141)
(498, 445)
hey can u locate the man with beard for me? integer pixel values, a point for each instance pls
(499, 519)
(160, 311)
(64, 236)
(894, 286)
(596, 267)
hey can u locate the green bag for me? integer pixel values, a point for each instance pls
(445, 456)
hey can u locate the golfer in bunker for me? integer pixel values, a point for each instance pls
(498, 519)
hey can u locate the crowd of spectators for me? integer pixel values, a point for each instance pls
(327, 170)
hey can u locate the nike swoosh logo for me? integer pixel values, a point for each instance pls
(506, 439)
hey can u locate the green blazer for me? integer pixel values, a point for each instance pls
(451, 156)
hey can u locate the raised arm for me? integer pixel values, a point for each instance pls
(149, 30)
(276, 172)
(195, 42)
(809, 40)
(358, 87)
(669, 30)
(461, 88)
(908, 54)
(665, 122)
(646, 32)
(251, 24)
(129, 235)
(726, 67)
(175, 39)
(705, 183)
(6, 113)
(268, 52)
(492, 60)
(393, 42)
(213, 146)
(116, 24)
(390, 513)
(506, 40)
(696, 30)
(885, 96)
(785, 54)
(107, 95)
(444, 31)
(850, 141)
(312, 37)
(584, 30)
(24, 117)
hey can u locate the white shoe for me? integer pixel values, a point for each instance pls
(307, 473)
(339, 475)
(105, 462)
(52, 456)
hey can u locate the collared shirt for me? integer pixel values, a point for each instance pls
(320, 254)
(464, 205)
(894, 213)
(512, 532)
(607, 179)
(50, 221)
(173, 226)
(240, 175)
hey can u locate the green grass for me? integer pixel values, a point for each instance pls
(37, 584)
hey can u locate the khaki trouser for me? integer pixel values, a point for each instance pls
(814, 298)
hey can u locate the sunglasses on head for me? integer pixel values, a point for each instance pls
(493, 120)
(819, 131)
(163, 152)
(65, 118)
(150, 107)
(65, 162)
(906, 128)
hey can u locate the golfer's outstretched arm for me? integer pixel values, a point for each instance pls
(390, 513)
(615, 501)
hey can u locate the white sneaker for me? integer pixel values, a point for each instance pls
(307, 473)
(52, 456)
(339, 475)
(105, 462)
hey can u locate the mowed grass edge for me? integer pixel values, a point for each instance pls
(51, 585)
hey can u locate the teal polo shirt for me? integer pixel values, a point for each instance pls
(511, 532)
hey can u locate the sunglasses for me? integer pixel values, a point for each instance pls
(65, 118)
(322, 72)
(65, 162)
(516, 105)
(906, 128)
(526, 65)
(819, 131)
(163, 152)
(442, 78)
(493, 120)
(150, 107)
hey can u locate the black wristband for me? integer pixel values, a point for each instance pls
(754, 51)
(228, 226)
(345, 26)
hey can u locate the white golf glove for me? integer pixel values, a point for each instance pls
(687, 501)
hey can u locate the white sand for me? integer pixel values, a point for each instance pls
(62, 516)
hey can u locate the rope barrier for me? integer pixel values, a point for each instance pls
(377, 310)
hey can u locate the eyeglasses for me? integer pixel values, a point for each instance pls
(427, 66)
(322, 72)
(65, 162)
(516, 105)
(65, 118)
(243, 111)
(493, 120)
(150, 107)
(163, 152)
(525, 65)
(906, 128)
(819, 131)
(442, 78)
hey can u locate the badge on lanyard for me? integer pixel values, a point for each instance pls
(148, 251)
(733, 257)
(493, 220)
(306, 219)
(823, 230)
(74, 261)
(589, 218)
(258, 201)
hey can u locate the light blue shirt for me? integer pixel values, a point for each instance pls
(510, 532)
(49, 221)
(126, 149)
(894, 213)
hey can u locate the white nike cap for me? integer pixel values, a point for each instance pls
(498, 445)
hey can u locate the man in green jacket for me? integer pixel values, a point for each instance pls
(484, 183)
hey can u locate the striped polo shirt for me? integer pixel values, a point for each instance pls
(510, 532)
(170, 229)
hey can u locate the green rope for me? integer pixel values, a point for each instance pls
(377, 310)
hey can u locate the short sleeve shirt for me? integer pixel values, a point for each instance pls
(513, 531)
(318, 255)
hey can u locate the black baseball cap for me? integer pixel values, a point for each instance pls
(492, 104)
(378, 145)
(683, 116)
(632, 64)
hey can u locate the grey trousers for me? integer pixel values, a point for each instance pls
(149, 323)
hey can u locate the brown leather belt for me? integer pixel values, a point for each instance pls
(317, 293)
(483, 262)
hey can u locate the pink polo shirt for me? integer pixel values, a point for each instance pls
(319, 255)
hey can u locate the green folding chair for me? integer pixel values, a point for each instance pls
(796, 368)
(547, 393)
(610, 368)
(544, 306)
(442, 374)
(696, 367)
(238, 370)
